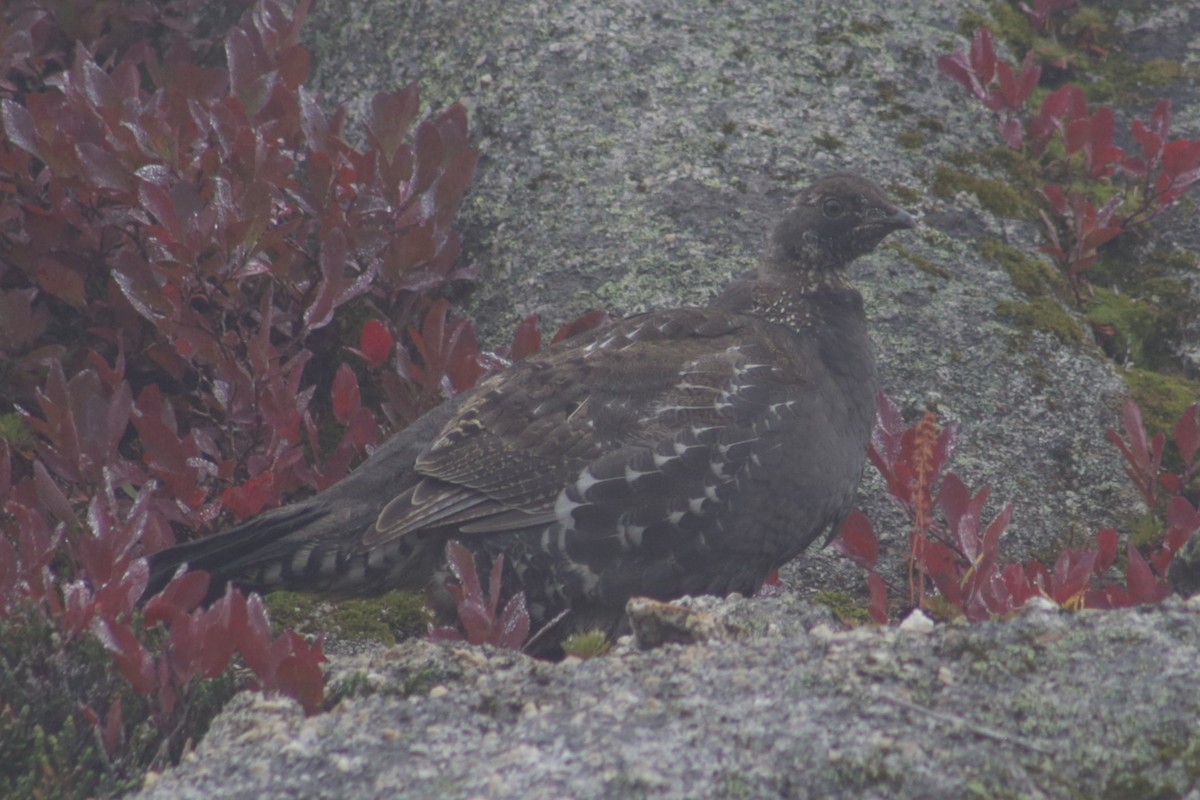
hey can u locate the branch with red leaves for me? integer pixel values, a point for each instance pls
(952, 552)
(1075, 228)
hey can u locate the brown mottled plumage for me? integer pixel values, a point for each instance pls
(676, 452)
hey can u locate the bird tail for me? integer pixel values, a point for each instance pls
(240, 554)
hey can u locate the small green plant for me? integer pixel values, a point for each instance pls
(590, 644)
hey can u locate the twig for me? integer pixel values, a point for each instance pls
(952, 719)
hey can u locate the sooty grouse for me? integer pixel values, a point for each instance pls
(687, 451)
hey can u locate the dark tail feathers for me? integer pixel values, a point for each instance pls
(228, 555)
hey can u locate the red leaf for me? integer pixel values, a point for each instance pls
(299, 674)
(1187, 433)
(1183, 520)
(347, 399)
(251, 497)
(1180, 156)
(1057, 198)
(180, 596)
(956, 68)
(1071, 574)
(375, 342)
(332, 283)
(1106, 550)
(103, 168)
(1143, 585)
(1150, 143)
(1012, 132)
(584, 322)
(527, 339)
(857, 541)
(463, 367)
(514, 621)
(983, 58)
(391, 116)
(1027, 80)
(19, 127)
(134, 661)
(1102, 154)
(253, 639)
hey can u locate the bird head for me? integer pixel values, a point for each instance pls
(835, 220)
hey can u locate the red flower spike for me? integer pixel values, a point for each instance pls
(877, 607)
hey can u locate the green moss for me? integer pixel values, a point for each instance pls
(919, 261)
(1131, 321)
(360, 684)
(996, 196)
(47, 746)
(389, 618)
(1130, 80)
(911, 140)
(587, 645)
(1152, 305)
(861, 27)
(1042, 314)
(1145, 531)
(1011, 26)
(1033, 277)
(1137, 787)
(1162, 398)
(931, 124)
(844, 607)
(14, 430)
(905, 195)
(988, 790)
(827, 141)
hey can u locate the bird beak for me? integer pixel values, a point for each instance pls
(901, 219)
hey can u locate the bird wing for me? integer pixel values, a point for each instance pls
(636, 424)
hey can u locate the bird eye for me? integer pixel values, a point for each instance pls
(832, 207)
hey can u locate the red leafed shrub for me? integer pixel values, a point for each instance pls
(186, 240)
(1074, 150)
(952, 551)
(189, 248)
(480, 617)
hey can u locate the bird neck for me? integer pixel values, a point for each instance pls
(821, 300)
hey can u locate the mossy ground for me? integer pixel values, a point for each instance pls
(846, 609)
(386, 619)
(48, 748)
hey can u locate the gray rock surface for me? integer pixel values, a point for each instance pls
(1047, 705)
(634, 155)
